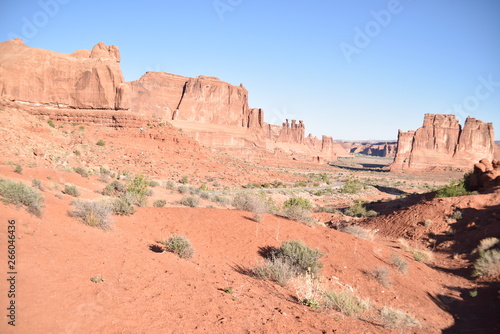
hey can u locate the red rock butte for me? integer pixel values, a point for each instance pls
(442, 144)
(214, 112)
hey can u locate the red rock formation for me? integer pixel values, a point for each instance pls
(486, 176)
(85, 79)
(378, 149)
(441, 144)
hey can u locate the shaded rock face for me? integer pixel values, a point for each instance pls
(379, 149)
(486, 176)
(441, 144)
(84, 79)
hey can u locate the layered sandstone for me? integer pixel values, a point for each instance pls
(84, 80)
(442, 144)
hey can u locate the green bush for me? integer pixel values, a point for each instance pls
(18, 169)
(160, 203)
(81, 171)
(51, 123)
(488, 262)
(457, 215)
(352, 187)
(21, 195)
(359, 210)
(179, 245)
(183, 189)
(298, 214)
(275, 269)
(170, 185)
(153, 183)
(100, 142)
(301, 256)
(190, 201)
(71, 190)
(454, 189)
(93, 213)
(346, 303)
(138, 189)
(115, 188)
(123, 205)
(37, 184)
(394, 318)
(299, 202)
(184, 180)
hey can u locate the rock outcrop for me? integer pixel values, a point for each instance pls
(442, 144)
(377, 149)
(486, 176)
(214, 112)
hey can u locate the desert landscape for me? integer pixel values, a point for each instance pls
(168, 205)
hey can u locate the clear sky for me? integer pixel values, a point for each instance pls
(350, 69)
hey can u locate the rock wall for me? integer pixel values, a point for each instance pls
(85, 79)
(377, 149)
(442, 144)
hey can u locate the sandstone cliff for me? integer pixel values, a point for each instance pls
(85, 79)
(377, 149)
(442, 144)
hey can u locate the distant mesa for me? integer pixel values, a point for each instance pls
(441, 144)
(214, 112)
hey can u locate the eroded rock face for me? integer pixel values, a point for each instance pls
(84, 79)
(379, 149)
(441, 144)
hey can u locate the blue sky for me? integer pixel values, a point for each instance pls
(355, 70)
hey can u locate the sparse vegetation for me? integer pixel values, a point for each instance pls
(100, 142)
(93, 213)
(399, 263)
(123, 205)
(352, 187)
(251, 202)
(383, 276)
(358, 231)
(81, 171)
(170, 185)
(428, 223)
(138, 189)
(359, 210)
(153, 183)
(454, 189)
(190, 201)
(97, 279)
(18, 169)
(394, 318)
(71, 190)
(179, 245)
(159, 203)
(51, 123)
(298, 202)
(115, 188)
(488, 262)
(21, 195)
(184, 180)
(346, 303)
(457, 215)
(37, 184)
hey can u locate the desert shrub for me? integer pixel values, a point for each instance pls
(160, 203)
(203, 187)
(123, 205)
(37, 184)
(190, 201)
(486, 244)
(428, 223)
(204, 195)
(359, 210)
(179, 245)
(170, 185)
(346, 303)
(298, 202)
(251, 202)
(21, 195)
(298, 214)
(100, 142)
(51, 123)
(275, 269)
(81, 171)
(153, 183)
(301, 256)
(115, 188)
(382, 275)
(93, 213)
(422, 255)
(457, 215)
(308, 290)
(358, 231)
(18, 169)
(394, 318)
(138, 189)
(399, 263)
(71, 190)
(184, 180)
(221, 200)
(454, 189)
(352, 187)
(183, 189)
(488, 262)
